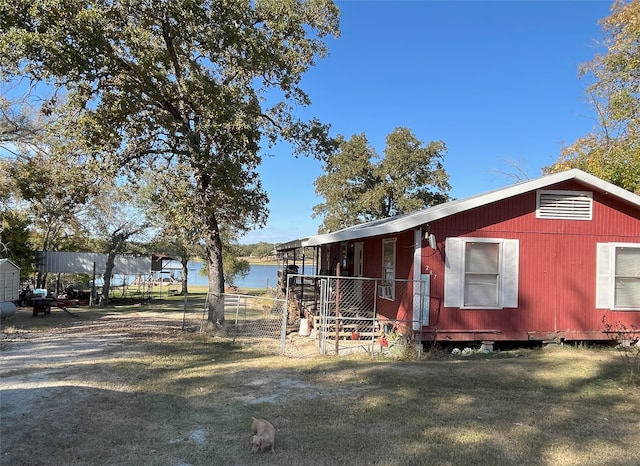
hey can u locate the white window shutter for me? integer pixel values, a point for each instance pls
(603, 276)
(509, 273)
(453, 272)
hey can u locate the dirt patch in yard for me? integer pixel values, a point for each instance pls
(133, 387)
(46, 393)
(62, 386)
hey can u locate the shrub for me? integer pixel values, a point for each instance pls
(628, 345)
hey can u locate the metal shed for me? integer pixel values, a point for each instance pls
(83, 262)
(9, 281)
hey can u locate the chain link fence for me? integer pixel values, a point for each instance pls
(245, 315)
(346, 315)
(311, 315)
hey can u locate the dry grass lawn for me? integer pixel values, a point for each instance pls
(129, 387)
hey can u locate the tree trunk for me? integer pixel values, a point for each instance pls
(41, 280)
(111, 257)
(185, 273)
(116, 245)
(213, 249)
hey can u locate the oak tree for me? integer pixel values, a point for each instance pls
(150, 83)
(15, 242)
(45, 187)
(612, 150)
(167, 201)
(359, 185)
(112, 218)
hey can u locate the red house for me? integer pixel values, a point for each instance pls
(545, 259)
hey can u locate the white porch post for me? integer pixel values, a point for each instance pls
(417, 268)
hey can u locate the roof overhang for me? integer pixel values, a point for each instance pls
(9, 261)
(416, 219)
(292, 245)
(158, 261)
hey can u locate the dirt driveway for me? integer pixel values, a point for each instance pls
(36, 366)
(133, 388)
(59, 392)
(44, 380)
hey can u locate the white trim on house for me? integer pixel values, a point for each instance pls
(606, 280)
(405, 222)
(387, 289)
(507, 273)
(291, 245)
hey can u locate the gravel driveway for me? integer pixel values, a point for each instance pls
(43, 377)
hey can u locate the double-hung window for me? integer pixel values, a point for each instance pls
(481, 273)
(618, 276)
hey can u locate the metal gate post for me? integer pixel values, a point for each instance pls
(323, 305)
(285, 318)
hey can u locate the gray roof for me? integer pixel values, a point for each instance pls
(8, 261)
(291, 245)
(405, 222)
(83, 262)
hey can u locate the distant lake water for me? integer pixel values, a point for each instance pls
(260, 276)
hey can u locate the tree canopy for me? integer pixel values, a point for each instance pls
(359, 185)
(44, 187)
(148, 84)
(612, 150)
(15, 242)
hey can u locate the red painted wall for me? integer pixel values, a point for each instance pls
(401, 307)
(557, 278)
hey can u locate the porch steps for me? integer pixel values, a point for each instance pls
(365, 330)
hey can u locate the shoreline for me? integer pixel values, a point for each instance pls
(260, 260)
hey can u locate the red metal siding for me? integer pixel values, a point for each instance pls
(401, 307)
(372, 257)
(556, 274)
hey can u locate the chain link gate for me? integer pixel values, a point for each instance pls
(250, 316)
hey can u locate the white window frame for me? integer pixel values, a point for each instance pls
(387, 286)
(508, 266)
(568, 205)
(606, 276)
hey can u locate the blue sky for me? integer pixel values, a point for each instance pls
(497, 81)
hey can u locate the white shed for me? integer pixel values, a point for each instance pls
(9, 281)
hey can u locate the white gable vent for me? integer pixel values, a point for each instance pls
(567, 205)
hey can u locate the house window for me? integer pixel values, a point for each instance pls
(564, 205)
(618, 276)
(481, 273)
(387, 287)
